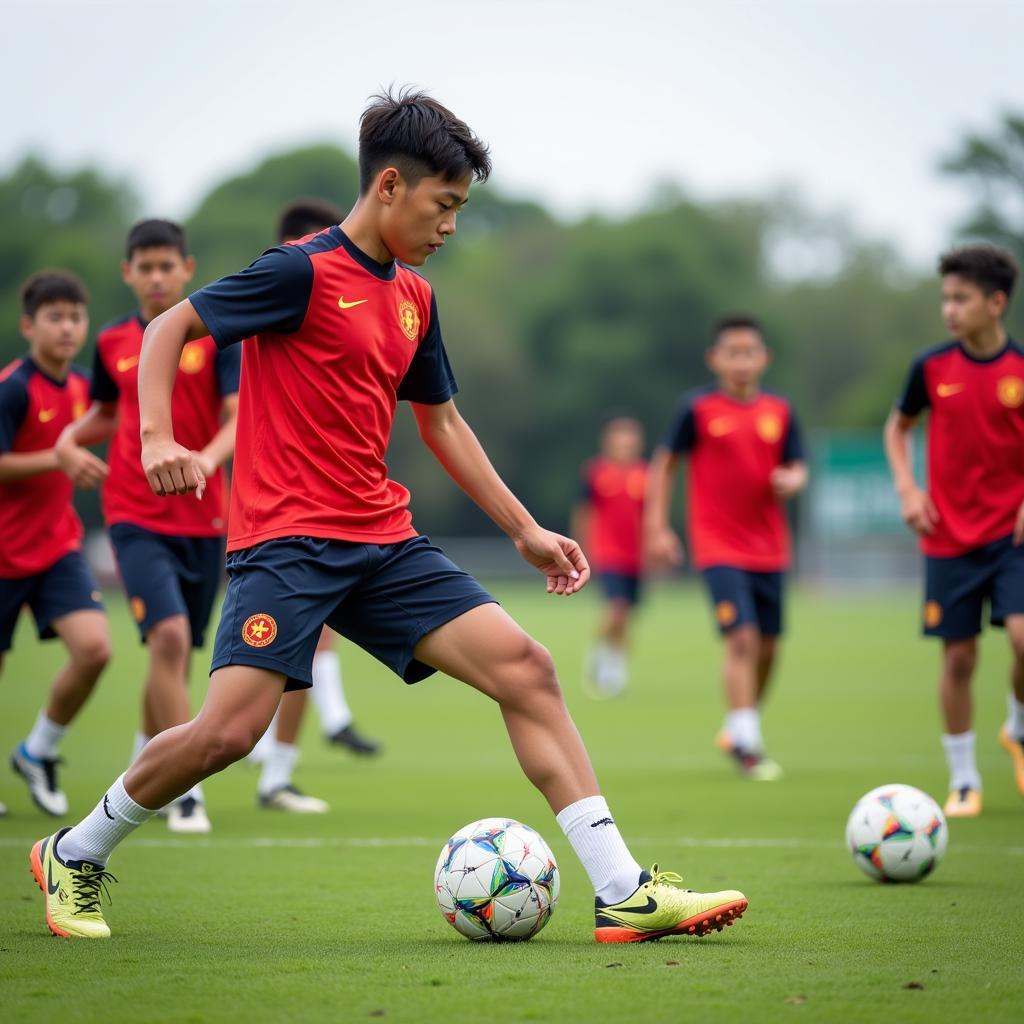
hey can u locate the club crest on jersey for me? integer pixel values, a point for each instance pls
(769, 427)
(1010, 391)
(409, 318)
(193, 358)
(259, 630)
(78, 409)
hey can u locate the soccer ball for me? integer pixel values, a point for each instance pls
(896, 834)
(496, 881)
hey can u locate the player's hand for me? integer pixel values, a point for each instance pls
(86, 470)
(663, 547)
(559, 558)
(918, 511)
(1018, 527)
(788, 481)
(172, 469)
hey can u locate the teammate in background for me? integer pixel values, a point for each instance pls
(609, 517)
(338, 330)
(41, 563)
(169, 552)
(971, 517)
(745, 459)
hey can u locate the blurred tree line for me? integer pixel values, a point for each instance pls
(551, 326)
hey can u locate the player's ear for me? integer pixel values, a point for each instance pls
(388, 182)
(25, 326)
(997, 303)
(190, 267)
(709, 359)
(126, 269)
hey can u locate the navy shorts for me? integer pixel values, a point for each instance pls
(166, 575)
(620, 586)
(742, 597)
(67, 586)
(383, 597)
(956, 589)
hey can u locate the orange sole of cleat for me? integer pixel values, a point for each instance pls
(36, 868)
(1016, 756)
(700, 925)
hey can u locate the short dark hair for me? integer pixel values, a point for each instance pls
(420, 137)
(306, 216)
(48, 286)
(735, 322)
(991, 269)
(156, 233)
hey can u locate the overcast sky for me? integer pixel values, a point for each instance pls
(587, 104)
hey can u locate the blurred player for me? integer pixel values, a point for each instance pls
(170, 553)
(609, 517)
(41, 563)
(339, 329)
(971, 517)
(745, 459)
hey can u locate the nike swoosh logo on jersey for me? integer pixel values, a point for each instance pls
(650, 908)
(342, 304)
(946, 390)
(127, 363)
(720, 426)
(45, 415)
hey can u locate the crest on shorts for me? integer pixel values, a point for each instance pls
(193, 358)
(769, 427)
(259, 630)
(409, 318)
(1010, 391)
(725, 612)
(138, 609)
(932, 614)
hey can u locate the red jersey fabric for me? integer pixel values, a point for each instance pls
(975, 442)
(205, 377)
(733, 515)
(333, 339)
(614, 492)
(38, 524)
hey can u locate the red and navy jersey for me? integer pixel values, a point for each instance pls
(733, 515)
(38, 524)
(975, 442)
(333, 339)
(205, 377)
(614, 492)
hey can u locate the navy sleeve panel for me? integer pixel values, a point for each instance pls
(914, 399)
(429, 379)
(103, 387)
(681, 435)
(13, 408)
(793, 446)
(270, 295)
(229, 369)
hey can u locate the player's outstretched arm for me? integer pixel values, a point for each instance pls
(169, 468)
(662, 545)
(71, 451)
(456, 447)
(916, 507)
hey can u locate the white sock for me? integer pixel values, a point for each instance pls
(744, 728)
(43, 739)
(328, 696)
(94, 837)
(1015, 721)
(140, 741)
(589, 827)
(963, 771)
(278, 768)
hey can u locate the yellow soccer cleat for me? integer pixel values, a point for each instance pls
(72, 891)
(963, 803)
(1015, 748)
(659, 907)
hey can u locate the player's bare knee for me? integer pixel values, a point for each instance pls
(224, 747)
(538, 673)
(92, 655)
(743, 642)
(959, 660)
(169, 641)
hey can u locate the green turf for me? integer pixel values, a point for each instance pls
(277, 918)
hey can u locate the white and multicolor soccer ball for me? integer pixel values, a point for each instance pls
(496, 881)
(896, 833)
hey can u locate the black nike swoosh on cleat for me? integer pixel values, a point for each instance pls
(49, 879)
(650, 908)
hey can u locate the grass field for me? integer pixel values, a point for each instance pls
(280, 918)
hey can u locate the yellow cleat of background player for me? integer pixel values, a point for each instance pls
(963, 803)
(1015, 748)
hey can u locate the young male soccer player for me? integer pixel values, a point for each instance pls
(971, 517)
(745, 458)
(169, 552)
(41, 563)
(339, 330)
(610, 518)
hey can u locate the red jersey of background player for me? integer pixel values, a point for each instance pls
(38, 524)
(975, 442)
(733, 515)
(614, 492)
(205, 376)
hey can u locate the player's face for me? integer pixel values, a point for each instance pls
(739, 358)
(418, 220)
(623, 441)
(57, 332)
(966, 307)
(158, 277)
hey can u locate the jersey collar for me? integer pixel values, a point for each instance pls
(385, 271)
(1010, 346)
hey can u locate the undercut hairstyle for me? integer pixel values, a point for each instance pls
(991, 269)
(414, 133)
(156, 234)
(48, 286)
(303, 217)
(735, 323)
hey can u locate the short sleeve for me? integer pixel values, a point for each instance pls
(228, 367)
(793, 443)
(103, 387)
(914, 399)
(429, 379)
(13, 409)
(270, 295)
(681, 435)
